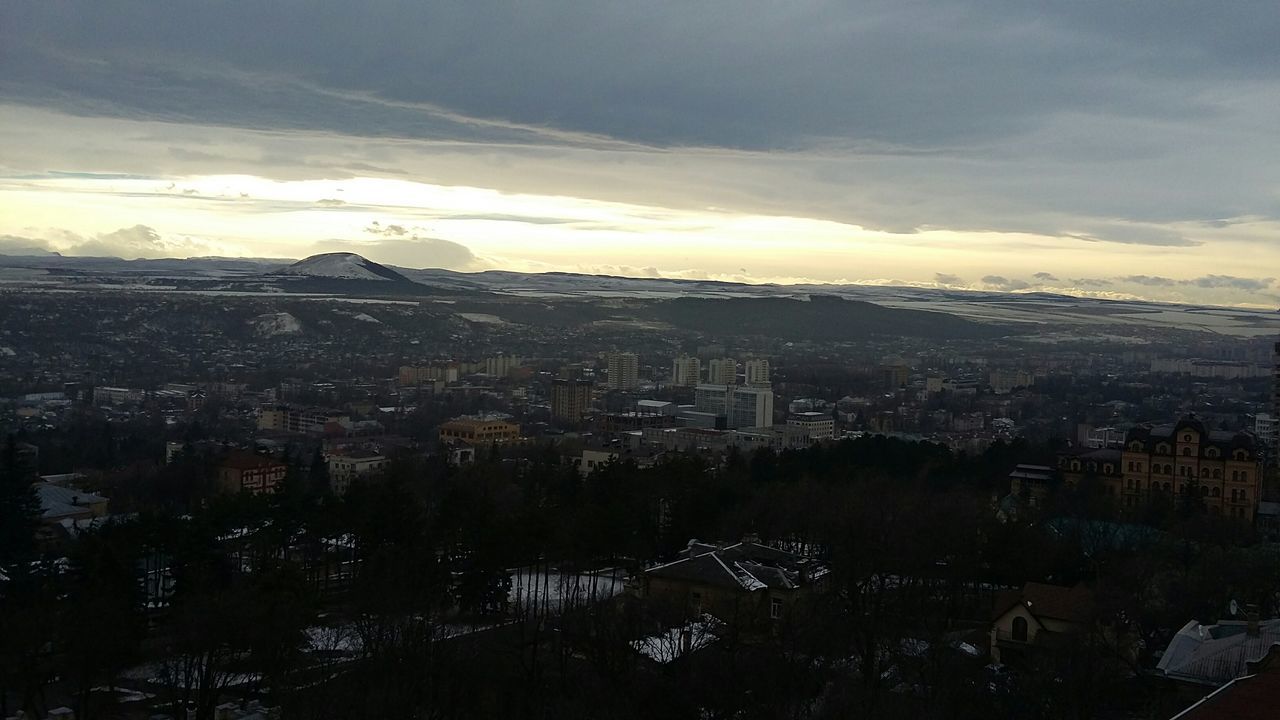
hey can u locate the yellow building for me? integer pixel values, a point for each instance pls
(474, 431)
(1224, 469)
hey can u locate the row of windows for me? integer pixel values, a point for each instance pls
(1210, 452)
(1237, 495)
(1188, 471)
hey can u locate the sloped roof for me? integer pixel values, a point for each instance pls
(1215, 654)
(1069, 604)
(57, 501)
(747, 566)
(1253, 697)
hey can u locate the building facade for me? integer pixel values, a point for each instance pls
(570, 400)
(243, 471)
(686, 371)
(623, 370)
(1184, 460)
(722, 371)
(479, 431)
(757, 371)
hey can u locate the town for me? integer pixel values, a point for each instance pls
(261, 504)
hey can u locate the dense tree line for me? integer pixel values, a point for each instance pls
(399, 600)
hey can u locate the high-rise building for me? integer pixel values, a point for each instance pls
(742, 407)
(501, 366)
(570, 400)
(722, 371)
(685, 371)
(624, 371)
(750, 407)
(757, 371)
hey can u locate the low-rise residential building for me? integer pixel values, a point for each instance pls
(244, 471)
(747, 585)
(1037, 615)
(350, 465)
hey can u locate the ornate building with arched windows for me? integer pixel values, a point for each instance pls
(1223, 469)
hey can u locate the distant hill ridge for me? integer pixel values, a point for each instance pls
(341, 266)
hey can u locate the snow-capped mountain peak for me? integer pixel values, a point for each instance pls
(342, 266)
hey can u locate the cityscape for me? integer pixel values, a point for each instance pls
(705, 362)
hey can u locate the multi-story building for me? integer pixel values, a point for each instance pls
(285, 418)
(501, 365)
(570, 400)
(895, 376)
(750, 407)
(1267, 428)
(624, 371)
(1180, 460)
(685, 371)
(1004, 382)
(812, 425)
(244, 471)
(351, 465)
(479, 431)
(756, 371)
(722, 371)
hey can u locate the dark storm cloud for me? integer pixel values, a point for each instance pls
(1100, 121)
(714, 73)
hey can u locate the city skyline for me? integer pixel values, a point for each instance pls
(1109, 152)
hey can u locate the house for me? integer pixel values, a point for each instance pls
(244, 471)
(1252, 697)
(1213, 655)
(350, 465)
(1036, 616)
(59, 502)
(746, 585)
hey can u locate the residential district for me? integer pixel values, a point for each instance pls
(622, 524)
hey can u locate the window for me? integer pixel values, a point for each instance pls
(1235, 474)
(775, 608)
(1217, 492)
(1217, 474)
(1186, 451)
(1186, 438)
(1244, 476)
(1020, 629)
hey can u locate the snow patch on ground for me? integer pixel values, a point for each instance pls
(482, 318)
(273, 324)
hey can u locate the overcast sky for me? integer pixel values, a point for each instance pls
(1122, 149)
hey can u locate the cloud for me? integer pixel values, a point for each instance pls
(410, 252)
(138, 241)
(16, 245)
(947, 279)
(1045, 277)
(1227, 281)
(331, 202)
(998, 282)
(1091, 282)
(1149, 280)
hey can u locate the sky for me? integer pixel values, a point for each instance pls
(1099, 148)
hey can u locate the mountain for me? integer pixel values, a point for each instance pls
(341, 266)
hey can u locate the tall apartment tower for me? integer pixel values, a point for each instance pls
(624, 371)
(685, 371)
(570, 400)
(757, 371)
(722, 371)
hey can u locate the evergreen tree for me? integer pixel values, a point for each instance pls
(19, 507)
